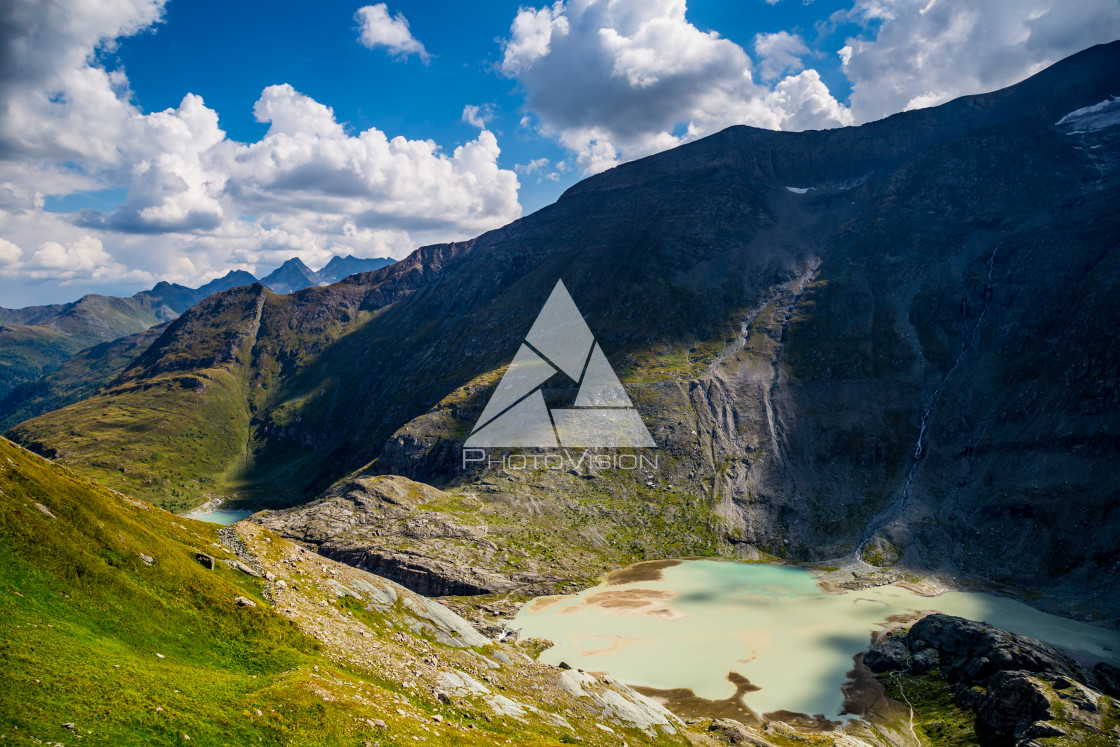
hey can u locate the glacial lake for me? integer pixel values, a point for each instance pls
(704, 620)
(225, 517)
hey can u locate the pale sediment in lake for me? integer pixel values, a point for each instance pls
(687, 631)
(650, 570)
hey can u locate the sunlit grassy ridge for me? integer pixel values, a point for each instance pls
(33, 346)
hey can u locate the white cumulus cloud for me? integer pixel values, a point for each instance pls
(308, 163)
(84, 258)
(919, 53)
(196, 203)
(379, 29)
(9, 252)
(56, 104)
(478, 116)
(622, 79)
(778, 53)
(171, 184)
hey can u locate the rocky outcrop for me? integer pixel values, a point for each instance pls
(387, 525)
(415, 571)
(730, 731)
(968, 651)
(1020, 688)
(1108, 677)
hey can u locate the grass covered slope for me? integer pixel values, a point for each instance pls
(112, 633)
(83, 619)
(174, 427)
(175, 422)
(36, 340)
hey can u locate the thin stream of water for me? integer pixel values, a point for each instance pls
(895, 509)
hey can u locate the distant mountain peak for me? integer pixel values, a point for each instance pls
(340, 267)
(291, 276)
(295, 275)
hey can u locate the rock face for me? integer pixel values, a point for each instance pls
(291, 276)
(1021, 689)
(390, 526)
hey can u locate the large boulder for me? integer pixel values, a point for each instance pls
(889, 654)
(1022, 690)
(971, 651)
(1014, 702)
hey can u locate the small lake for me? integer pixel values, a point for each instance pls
(704, 621)
(225, 517)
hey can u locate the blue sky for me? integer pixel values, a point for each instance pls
(175, 139)
(319, 54)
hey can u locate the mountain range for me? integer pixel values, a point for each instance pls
(294, 275)
(37, 340)
(894, 342)
(886, 353)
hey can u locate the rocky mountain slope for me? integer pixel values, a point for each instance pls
(896, 340)
(123, 624)
(342, 267)
(291, 276)
(433, 542)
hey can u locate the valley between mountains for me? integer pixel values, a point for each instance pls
(886, 352)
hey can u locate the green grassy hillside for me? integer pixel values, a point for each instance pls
(112, 633)
(36, 340)
(129, 653)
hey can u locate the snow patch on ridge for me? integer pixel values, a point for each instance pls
(1091, 118)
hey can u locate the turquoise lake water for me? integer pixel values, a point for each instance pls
(225, 517)
(771, 624)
